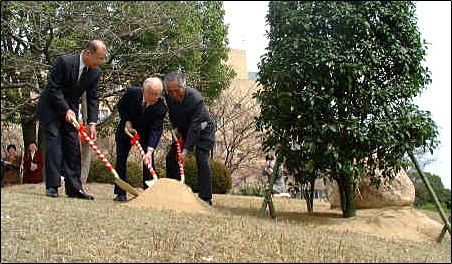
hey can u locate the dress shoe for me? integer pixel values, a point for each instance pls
(82, 195)
(120, 198)
(52, 192)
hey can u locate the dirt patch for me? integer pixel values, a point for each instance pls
(170, 194)
(394, 223)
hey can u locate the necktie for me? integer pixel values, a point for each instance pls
(143, 106)
(84, 72)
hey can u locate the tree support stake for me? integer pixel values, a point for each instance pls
(432, 193)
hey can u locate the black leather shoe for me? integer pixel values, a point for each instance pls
(52, 192)
(120, 198)
(82, 195)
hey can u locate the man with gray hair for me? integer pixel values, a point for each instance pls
(191, 121)
(141, 111)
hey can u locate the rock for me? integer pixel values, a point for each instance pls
(400, 193)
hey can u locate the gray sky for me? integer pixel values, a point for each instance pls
(247, 30)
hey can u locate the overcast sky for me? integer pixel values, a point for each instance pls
(247, 31)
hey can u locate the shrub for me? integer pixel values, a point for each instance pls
(221, 176)
(99, 173)
(252, 190)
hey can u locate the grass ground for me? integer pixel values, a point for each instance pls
(36, 228)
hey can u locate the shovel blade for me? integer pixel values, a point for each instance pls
(150, 183)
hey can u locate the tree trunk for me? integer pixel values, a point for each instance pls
(86, 154)
(309, 196)
(347, 195)
(42, 147)
(28, 132)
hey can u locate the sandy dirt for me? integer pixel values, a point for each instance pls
(169, 194)
(395, 223)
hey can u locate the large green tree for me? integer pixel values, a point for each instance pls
(338, 81)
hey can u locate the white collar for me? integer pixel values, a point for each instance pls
(81, 64)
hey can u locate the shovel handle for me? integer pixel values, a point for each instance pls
(148, 164)
(118, 180)
(178, 148)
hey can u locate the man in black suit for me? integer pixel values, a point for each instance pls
(191, 121)
(71, 75)
(142, 111)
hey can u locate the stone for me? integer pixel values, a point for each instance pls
(400, 193)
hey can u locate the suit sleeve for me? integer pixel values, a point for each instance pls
(92, 99)
(171, 116)
(123, 107)
(195, 126)
(55, 85)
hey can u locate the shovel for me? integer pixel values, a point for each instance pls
(135, 142)
(122, 184)
(178, 147)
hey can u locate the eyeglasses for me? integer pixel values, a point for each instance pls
(173, 90)
(155, 95)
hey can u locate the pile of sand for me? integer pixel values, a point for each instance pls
(397, 223)
(170, 194)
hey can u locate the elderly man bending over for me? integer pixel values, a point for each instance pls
(141, 110)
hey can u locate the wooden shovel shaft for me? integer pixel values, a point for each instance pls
(125, 186)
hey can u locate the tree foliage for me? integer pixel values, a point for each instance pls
(422, 194)
(142, 37)
(338, 81)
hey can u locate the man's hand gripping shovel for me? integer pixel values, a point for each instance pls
(135, 142)
(122, 184)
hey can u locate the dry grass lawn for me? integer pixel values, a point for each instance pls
(37, 228)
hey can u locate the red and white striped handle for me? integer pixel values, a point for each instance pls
(82, 129)
(181, 168)
(143, 155)
(98, 152)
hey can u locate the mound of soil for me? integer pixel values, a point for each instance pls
(396, 223)
(170, 194)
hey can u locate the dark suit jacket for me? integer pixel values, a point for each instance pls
(63, 91)
(148, 124)
(192, 119)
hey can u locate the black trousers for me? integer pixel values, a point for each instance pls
(123, 146)
(62, 153)
(204, 173)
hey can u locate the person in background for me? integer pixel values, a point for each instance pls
(58, 105)
(11, 167)
(191, 121)
(142, 111)
(33, 161)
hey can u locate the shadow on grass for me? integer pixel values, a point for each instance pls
(318, 218)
